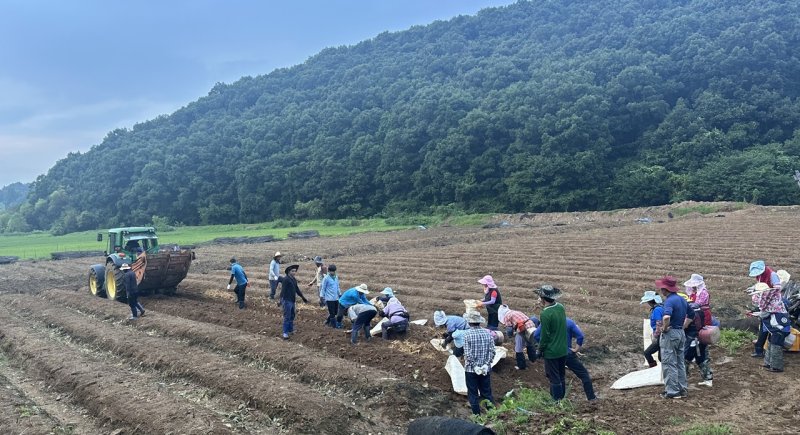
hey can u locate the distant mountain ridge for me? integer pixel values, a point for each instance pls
(536, 106)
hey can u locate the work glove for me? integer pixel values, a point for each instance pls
(229, 286)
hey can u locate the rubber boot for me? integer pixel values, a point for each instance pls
(385, 334)
(775, 357)
(521, 364)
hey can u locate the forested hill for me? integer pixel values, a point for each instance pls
(537, 106)
(12, 195)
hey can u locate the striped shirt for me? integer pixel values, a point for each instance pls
(478, 349)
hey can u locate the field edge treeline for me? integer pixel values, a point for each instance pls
(536, 106)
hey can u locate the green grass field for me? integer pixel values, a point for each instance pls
(39, 245)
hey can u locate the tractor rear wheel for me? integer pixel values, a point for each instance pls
(95, 284)
(115, 288)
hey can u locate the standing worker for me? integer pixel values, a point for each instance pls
(274, 274)
(491, 300)
(654, 301)
(319, 275)
(673, 339)
(289, 292)
(763, 274)
(774, 321)
(574, 364)
(478, 356)
(237, 272)
(553, 339)
(132, 291)
(329, 295)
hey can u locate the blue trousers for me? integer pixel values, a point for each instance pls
(273, 285)
(288, 316)
(576, 366)
(479, 387)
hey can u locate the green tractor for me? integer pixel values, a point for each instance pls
(156, 268)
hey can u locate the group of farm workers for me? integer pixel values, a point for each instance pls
(680, 322)
(351, 302)
(682, 326)
(549, 337)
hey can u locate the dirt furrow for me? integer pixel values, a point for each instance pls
(381, 388)
(116, 398)
(262, 390)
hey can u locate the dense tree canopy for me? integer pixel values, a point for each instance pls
(538, 106)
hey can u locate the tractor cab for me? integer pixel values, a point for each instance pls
(130, 242)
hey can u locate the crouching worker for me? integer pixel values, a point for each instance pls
(452, 323)
(478, 356)
(361, 315)
(397, 318)
(355, 295)
(522, 327)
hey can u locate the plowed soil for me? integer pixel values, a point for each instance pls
(71, 363)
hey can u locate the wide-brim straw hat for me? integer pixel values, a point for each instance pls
(125, 266)
(363, 288)
(548, 291)
(294, 266)
(474, 317)
(783, 276)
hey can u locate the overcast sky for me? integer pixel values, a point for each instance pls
(71, 71)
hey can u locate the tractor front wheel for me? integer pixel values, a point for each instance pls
(96, 283)
(115, 288)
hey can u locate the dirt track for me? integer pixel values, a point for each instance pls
(197, 364)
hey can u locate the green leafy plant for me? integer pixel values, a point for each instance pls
(733, 339)
(521, 406)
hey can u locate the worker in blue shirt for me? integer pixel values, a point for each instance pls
(573, 363)
(353, 296)
(237, 272)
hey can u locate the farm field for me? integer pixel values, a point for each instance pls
(70, 363)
